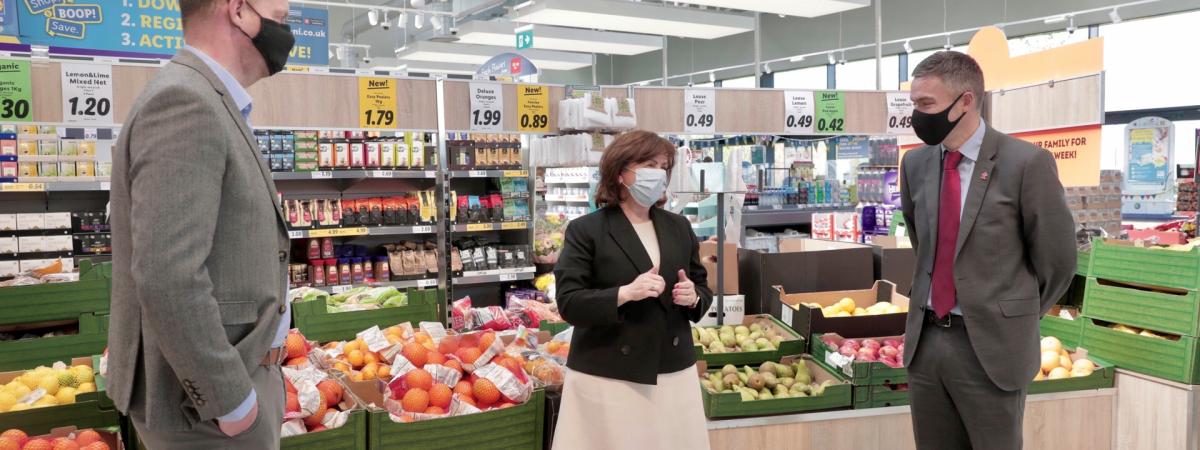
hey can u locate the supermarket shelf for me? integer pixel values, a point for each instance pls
(56, 186)
(498, 226)
(495, 276)
(354, 174)
(432, 282)
(563, 198)
(786, 215)
(360, 231)
(564, 180)
(489, 173)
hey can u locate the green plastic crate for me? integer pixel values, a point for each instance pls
(554, 327)
(1122, 261)
(58, 301)
(30, 353)
(1170, 359)
(1082, 261)
(862, 373)
(1069, 332)
(351, 436)
(789, 346)
(879, 396)
(837, 395)
(518, 427)
(1175, 313)
(87, 411)
(316, 323)
(1103, 377)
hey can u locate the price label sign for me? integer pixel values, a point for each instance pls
(699, 111)
(339, 232)
(533, 108)
(831, 112)
(477, 174)
(427, 283)
(515, 173)
(23, 187)
(508, 277)
(487, 107)
(376, 103)
(382, 174)
(423, 229)
(295, 234)
(513, 226)
(900, 109)
(87, 93)
(481, 227)
(322, 175)
(15, 92)
(799, 112)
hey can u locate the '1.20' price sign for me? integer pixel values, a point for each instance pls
(377, 102)
(487, 106)
(15, 92)
(87, 94)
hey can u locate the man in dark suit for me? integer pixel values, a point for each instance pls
(995, 250)
(200, 252)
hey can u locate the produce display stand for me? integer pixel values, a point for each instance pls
(59, 301)
(317, 323)
(30, 353)
(351, 436)
(862, 373)
(1153, 413)
(517, 427)
(879, 396)
(90, 410)
(1102, 378)
(1069, 332)
(836, 395)
(793, 345)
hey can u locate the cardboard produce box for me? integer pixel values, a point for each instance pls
(709, 249)
(895, 261)
(809, 320)
(802, 265)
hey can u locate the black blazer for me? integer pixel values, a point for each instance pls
(640, 339)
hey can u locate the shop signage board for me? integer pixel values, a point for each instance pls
(8, 18)
(1076, 151)
(310, 26)
(799, 112)
(487, 107)
(831, 112)
(853, 147)
(524, 37)
(376, 102)
(899, 113)
(1150, 154)
(16, 95)
(533, 108)
(699, 111)
(87, 93)
(150, 27)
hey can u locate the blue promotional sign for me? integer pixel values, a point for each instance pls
(853, 147)
(147, 27)
(311, 28)
(507, 66)
(8, 18)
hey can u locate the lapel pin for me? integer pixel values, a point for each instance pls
(983, 176)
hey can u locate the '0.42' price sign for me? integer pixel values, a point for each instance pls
(376, 102)
(15, 92)
(831, 112)
(699, 111)
(487, 107)
(87, 94)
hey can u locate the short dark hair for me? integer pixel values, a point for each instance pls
(189, 9)
(630, 148)
(958, 70)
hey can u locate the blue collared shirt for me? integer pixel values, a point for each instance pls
(243, 101)
(966, 168)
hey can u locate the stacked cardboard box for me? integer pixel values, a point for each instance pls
(1098, 206)
(1187, 199)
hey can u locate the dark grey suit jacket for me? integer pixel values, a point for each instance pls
(199, 252)
(1015, 252)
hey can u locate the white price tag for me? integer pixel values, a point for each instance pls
(340, 289)
(424, 229)
(374, 338)
(322, 175)
(799, 111)
(87, 93)
(91, 134)
(105, 186)
(430, 174)
(295, 234)
(786, 314)
(382, 174)
(477, 174)
(899, 108)
(508, 277)
(487, 107)
(699, 111)
(835, 359)
(427, 283)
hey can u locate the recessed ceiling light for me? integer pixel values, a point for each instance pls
(799, 8)
(479, 54)
(373, 17)
(907, 47)
(1114, 16)
(796, 59)
(635, 18)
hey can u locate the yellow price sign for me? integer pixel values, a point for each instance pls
(23, 187)
(338, 232)
(533, 108)
(376, 102)
(513, 226)
(515, 173)
(480, 227)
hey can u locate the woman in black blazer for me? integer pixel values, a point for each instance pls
(629, 279)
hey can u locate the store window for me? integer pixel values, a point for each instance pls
(808, 78)
(1148, 64)
(743, 82)
(1034, 43)
(1112, 144)
(861, 74)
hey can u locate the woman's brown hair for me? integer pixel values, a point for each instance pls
(630, 148)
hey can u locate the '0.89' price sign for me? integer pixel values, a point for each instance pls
(533, 108)
(87, 94)
(487, 106)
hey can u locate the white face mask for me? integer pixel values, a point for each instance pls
(650, 186)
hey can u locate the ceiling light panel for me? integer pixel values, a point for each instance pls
(502, 33)
(635, 18)
(479, 54)
(798, 8)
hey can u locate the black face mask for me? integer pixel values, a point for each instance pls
(933, 128)
(274, 42)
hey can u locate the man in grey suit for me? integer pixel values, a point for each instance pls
(995, 249)
(199, 309)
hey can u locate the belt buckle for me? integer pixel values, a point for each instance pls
(943, 322)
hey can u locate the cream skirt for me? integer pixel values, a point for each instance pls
(607, 414)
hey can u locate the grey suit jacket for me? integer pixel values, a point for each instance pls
(1015, 252)
(199, 252)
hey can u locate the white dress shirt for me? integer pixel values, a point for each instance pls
(966, 168)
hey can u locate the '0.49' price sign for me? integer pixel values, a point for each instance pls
(15, 92)
(487, 106)
(699, 111)
(798, 112)
(87, 94)
(376, 103)
(900, 109)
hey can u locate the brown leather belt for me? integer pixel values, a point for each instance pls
(274, 357)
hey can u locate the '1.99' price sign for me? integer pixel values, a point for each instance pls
(15, 92)
(487, 106)
(87, 94)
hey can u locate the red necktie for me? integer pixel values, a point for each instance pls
(947, 239)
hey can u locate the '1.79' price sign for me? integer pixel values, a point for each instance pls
(377, 102)
(487, 106)
(87, 93)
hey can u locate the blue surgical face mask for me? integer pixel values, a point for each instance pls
(650, 186)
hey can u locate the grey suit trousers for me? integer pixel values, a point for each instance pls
(954, 403)
(262, 435)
